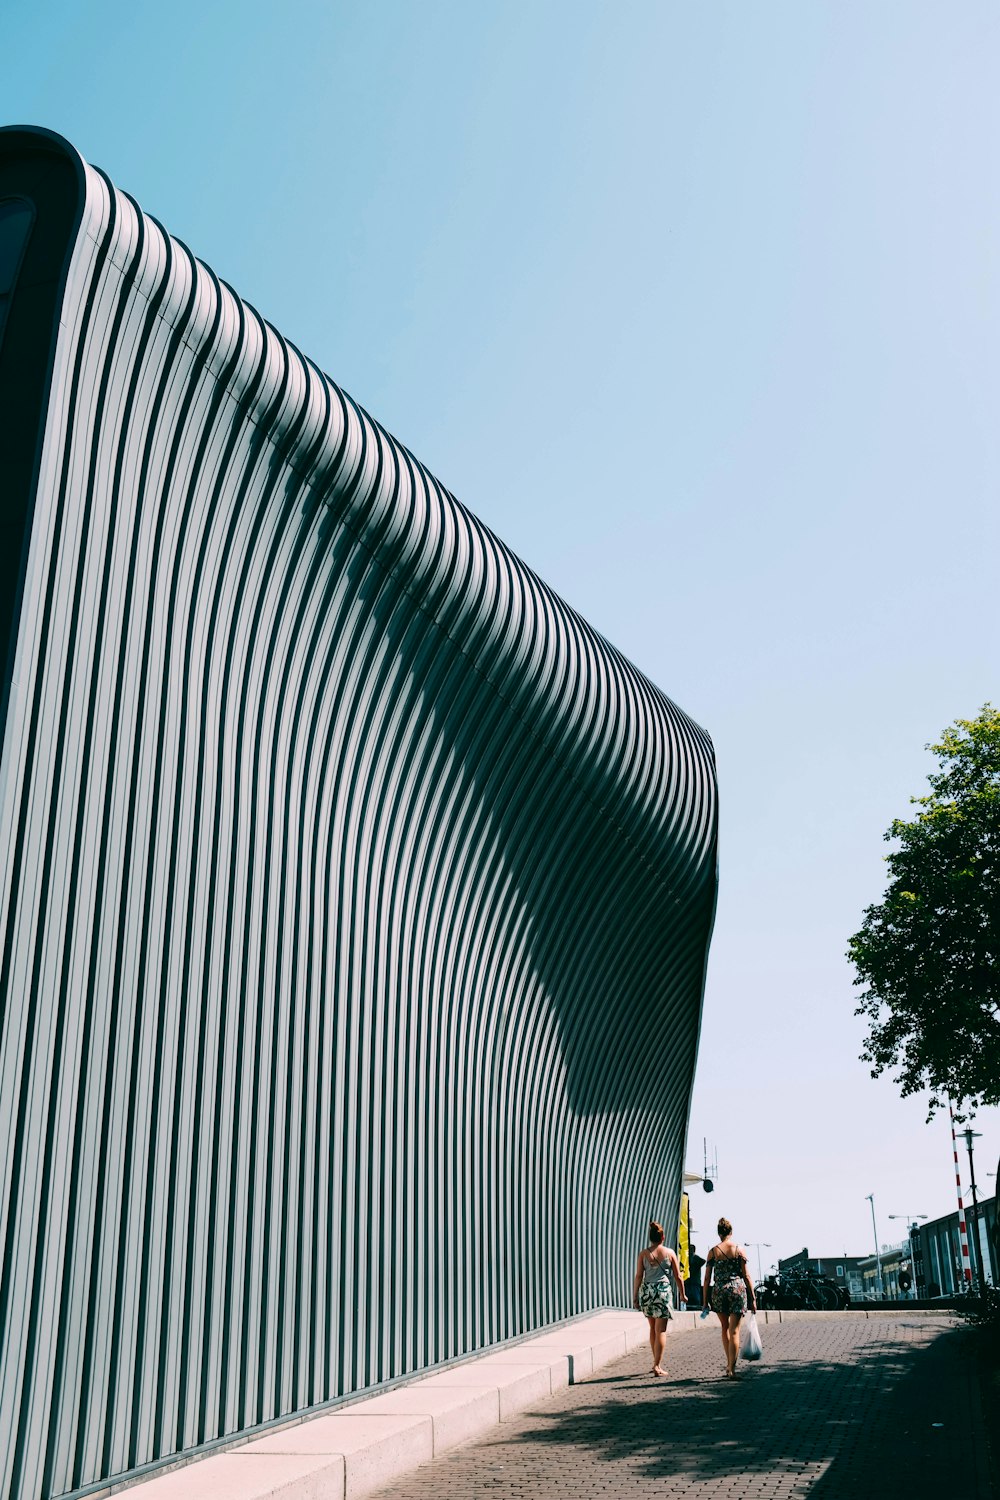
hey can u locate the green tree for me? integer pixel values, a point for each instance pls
(928, 955)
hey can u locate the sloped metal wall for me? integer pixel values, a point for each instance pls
(355, 894)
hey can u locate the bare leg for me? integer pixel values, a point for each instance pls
(652, 1342)
(734, 1340)
(660, 1347)
(725, 1338)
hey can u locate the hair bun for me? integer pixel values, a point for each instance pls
(655, 1232)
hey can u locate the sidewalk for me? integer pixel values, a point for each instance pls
(842, 1405)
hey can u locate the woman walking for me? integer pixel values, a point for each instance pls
(733, 1291)
(651, 1290)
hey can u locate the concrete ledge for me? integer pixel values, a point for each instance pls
(348, 1453)
(373, 1447)
(244, 1476)
(517, 1385)
(362, 1447)
(456, 1416)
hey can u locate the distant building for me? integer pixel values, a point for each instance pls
(937, 1255)
(933, 1259)
(892, 1262)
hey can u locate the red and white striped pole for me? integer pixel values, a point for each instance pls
(962, 1232)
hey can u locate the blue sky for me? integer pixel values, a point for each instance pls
(697, 308)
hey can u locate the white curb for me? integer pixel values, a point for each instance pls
(356, 1449)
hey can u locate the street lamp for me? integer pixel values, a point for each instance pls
(911, 1223)
(878, 1258)
(977, 1267)
(758, 1245)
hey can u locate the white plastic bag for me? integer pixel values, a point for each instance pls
(750, 1338)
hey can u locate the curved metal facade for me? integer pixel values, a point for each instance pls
(355, 894)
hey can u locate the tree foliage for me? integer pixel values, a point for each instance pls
(928, 955)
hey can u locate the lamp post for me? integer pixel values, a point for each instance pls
(911, 1224)
(977, 1258)
(758, 1245)
(878, 1258)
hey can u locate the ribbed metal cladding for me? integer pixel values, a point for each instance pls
(356, 894)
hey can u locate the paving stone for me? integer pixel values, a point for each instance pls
(842, 1407)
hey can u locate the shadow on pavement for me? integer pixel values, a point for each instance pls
(864, 1426)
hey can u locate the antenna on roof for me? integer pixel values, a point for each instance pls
(711, 1172)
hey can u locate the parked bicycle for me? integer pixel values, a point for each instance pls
(800, 1289)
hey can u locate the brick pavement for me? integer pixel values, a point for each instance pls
(841, 1406)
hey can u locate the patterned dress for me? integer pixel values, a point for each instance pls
(654, 1292)
(729, 1290)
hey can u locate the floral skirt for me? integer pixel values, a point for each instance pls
(729, 1298)
(654, 1299)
